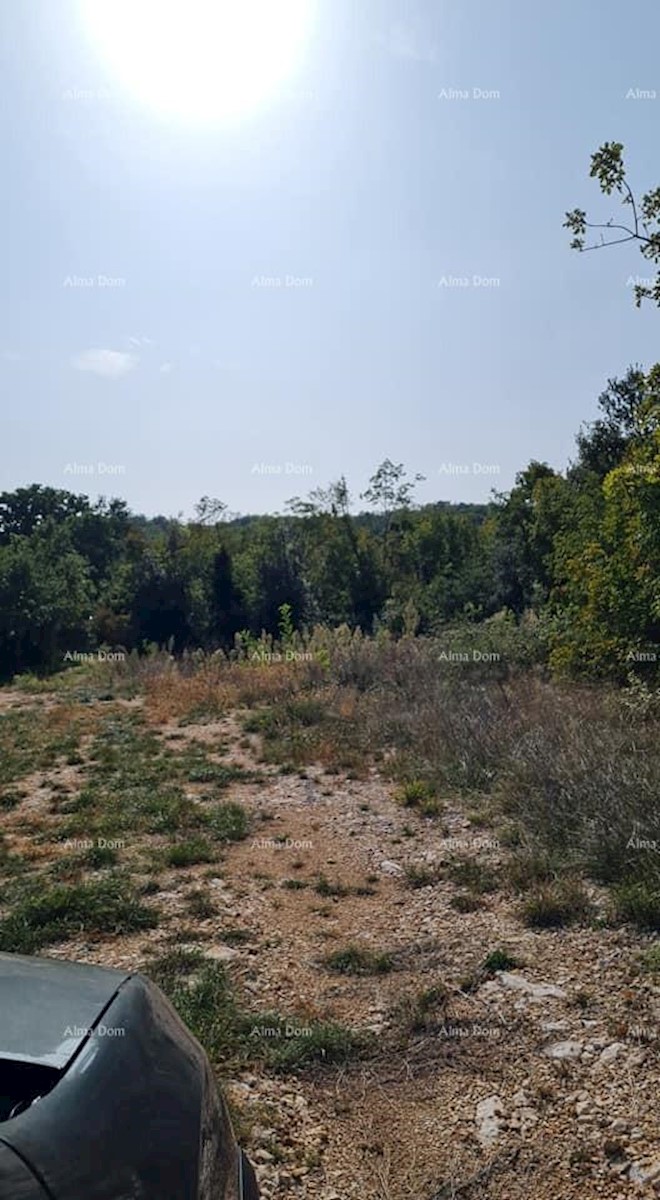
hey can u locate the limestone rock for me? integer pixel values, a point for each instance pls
(562, 1050)
(537, 991)
(489, 1116)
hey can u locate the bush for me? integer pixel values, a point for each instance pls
(638, 903)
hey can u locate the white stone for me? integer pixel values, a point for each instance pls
(610, 1053)
(640, 1173)
(488, 1117)
(538, 991)
(390, 868)
(563, 1050)
(222, 953)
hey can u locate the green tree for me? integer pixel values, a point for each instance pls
(23, 511)
(46, 598)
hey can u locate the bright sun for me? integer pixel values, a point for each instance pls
(200, 60)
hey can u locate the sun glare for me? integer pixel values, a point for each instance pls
(200, 60)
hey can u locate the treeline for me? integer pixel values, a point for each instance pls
(579, 550)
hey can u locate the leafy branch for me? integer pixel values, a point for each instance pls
(608, 168)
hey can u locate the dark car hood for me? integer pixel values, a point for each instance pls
(48, 1006)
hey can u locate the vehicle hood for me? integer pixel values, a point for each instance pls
(48, 1006)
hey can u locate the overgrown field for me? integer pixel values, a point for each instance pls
(133, 796)
(568, 775)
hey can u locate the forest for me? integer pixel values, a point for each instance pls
(573, 556)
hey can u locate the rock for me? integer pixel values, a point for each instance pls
(222, 953)
(619, 1126)
(537, 991)
(610, 1053)
(528, 1118)
(640, 1173)
(262, 1156)
(583, 1107)
(390, 868)
(563, 1050)
(489, 1117)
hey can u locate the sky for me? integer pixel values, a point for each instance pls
(369, 265)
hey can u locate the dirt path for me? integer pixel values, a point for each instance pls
(537, 1080)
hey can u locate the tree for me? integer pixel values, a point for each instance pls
(341, 570)
(608, 168)
(390, 491)
(210, 511)
(602, 444)
(606, 594)
(23, 511)
(227, 609)
(46, 597)
(523, 540)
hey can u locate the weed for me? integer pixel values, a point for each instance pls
(200, 905)
(354, 960)
(500, 960)
(476, 876)
(555, 904)
(419, 876)
(465, 902)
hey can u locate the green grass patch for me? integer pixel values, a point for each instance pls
(420, 795)
(354, 960)
(201, 991)
(227, 822)
(471, 874)
(500, 960)
(35, 739)
(189, 853)
(106, 906)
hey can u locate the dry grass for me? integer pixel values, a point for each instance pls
(571, 770)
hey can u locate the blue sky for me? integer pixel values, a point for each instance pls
(367, 182)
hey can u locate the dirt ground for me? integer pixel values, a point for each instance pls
(541, 1080)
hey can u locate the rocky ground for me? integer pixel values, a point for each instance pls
(540, 1079)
